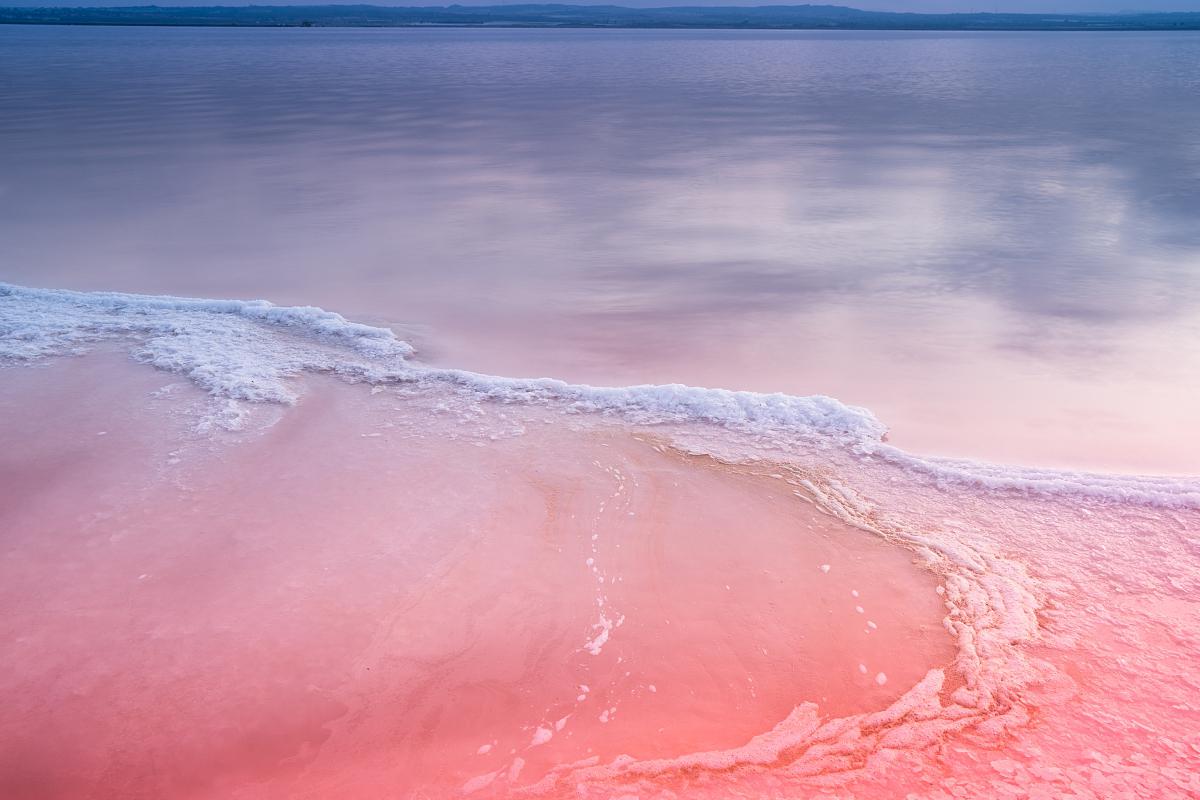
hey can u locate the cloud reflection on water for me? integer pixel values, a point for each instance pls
(660, 201)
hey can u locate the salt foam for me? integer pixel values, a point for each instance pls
(253, 351)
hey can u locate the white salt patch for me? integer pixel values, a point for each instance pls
(477, 783)
(484, 749)
(514, 771)
(541, 736)
(854, 592)
(862, 668)
(562, 723)
(252, 351)
(652, 688)
(881, 679)
(825, 568)
(871, 625)
(233, 349)
(859, 609)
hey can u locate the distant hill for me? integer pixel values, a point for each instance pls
(804, 17)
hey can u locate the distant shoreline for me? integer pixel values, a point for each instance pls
(797, 18)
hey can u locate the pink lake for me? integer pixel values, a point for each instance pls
(932, 531)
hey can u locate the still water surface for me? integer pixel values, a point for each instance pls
(989, 240)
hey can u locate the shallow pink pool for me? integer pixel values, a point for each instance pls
(339, 572)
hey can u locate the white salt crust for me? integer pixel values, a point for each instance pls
(254, 351)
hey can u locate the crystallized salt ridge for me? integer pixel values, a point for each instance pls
(252, 350)
(1161, 492)
(309, 319)
(238, 350)
(778, 415)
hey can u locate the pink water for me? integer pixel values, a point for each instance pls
(389, 592)
(346, 607)
(261, 552)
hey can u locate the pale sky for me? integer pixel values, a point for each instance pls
(1016, 6)
(1019, 5)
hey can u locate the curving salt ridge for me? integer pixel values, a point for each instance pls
(254, 350)
(242, 350)
(124, 308)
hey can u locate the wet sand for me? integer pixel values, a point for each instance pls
(374, 598)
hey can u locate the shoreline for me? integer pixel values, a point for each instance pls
(597, 17)
(252, 353)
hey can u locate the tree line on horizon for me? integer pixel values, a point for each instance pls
(807, 17)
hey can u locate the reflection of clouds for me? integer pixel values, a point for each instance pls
(671, 173)
(709, 287)
(1036, 232)
(988, 240)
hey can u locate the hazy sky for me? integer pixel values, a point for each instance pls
(1023, 5)
(872, 5)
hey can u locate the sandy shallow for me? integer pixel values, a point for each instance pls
(381, 595)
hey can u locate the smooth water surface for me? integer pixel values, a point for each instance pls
(295, 559)
(989, 240)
